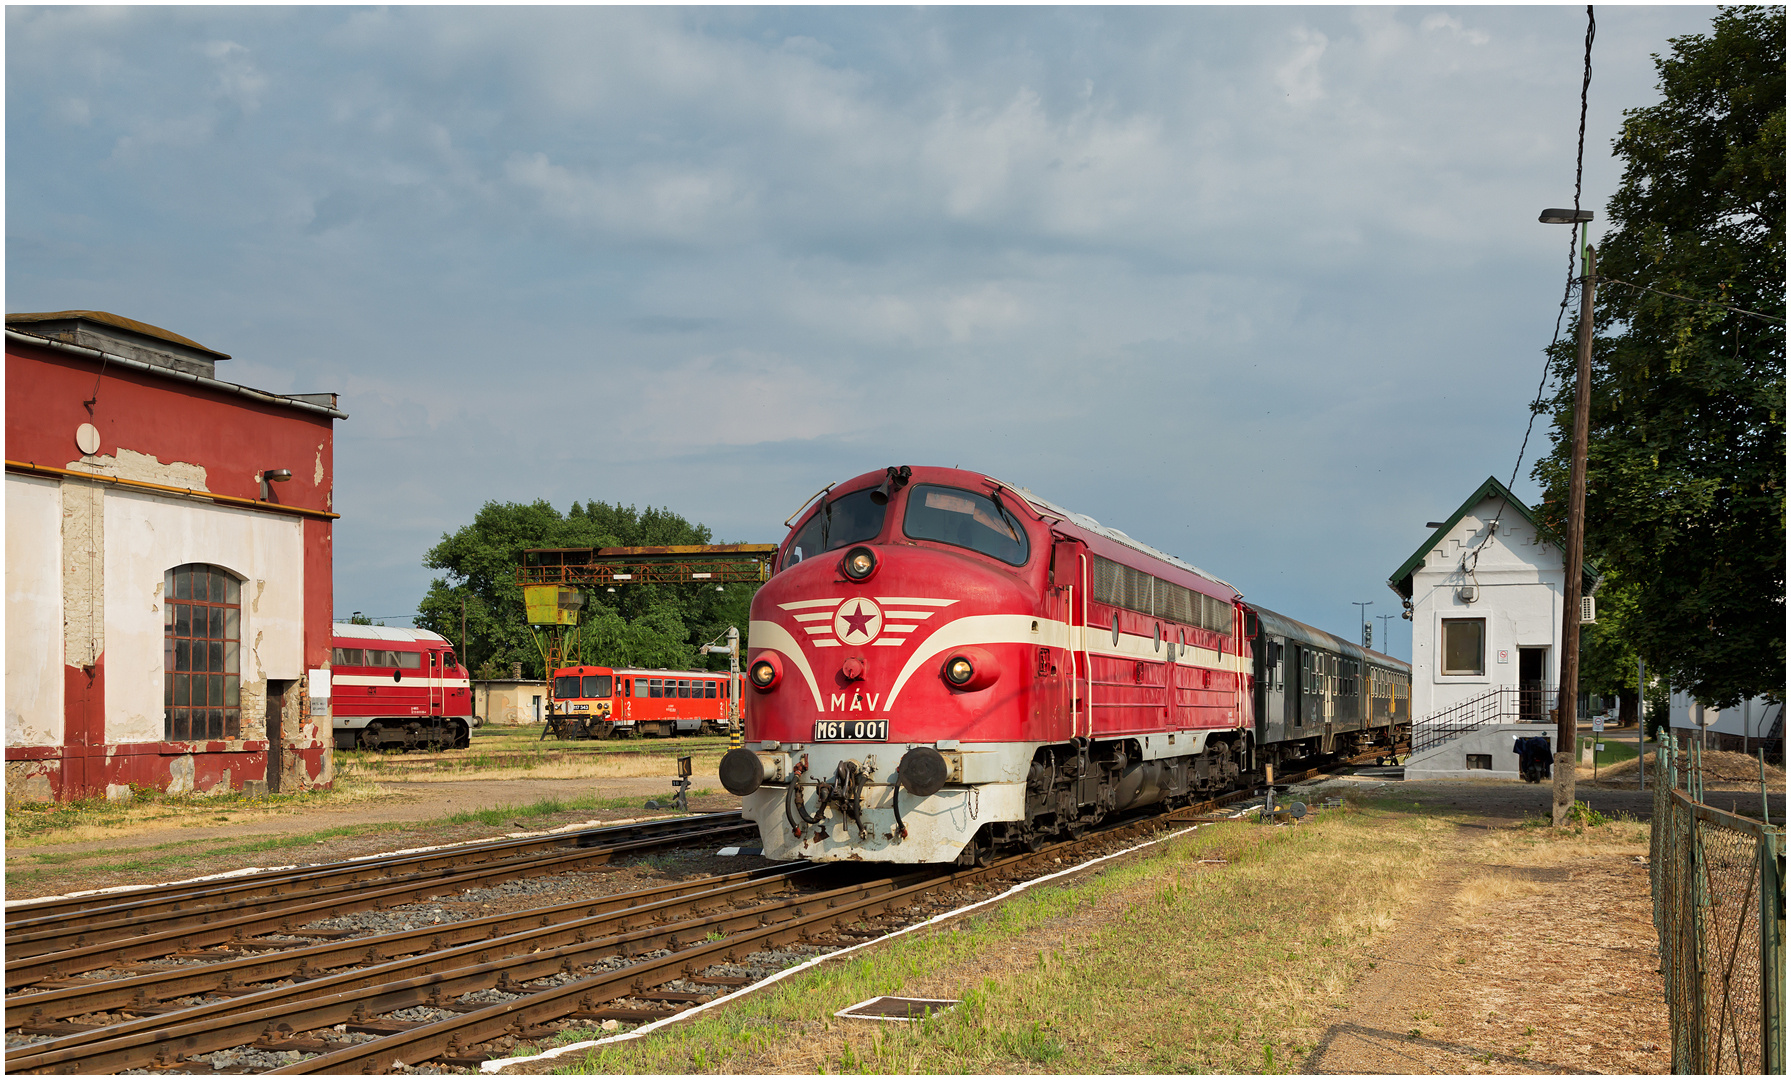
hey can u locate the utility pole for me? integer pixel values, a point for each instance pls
(1567, 725)
(1385, 619)
(1641, 723)
(1362, 607)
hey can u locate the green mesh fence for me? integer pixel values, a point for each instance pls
(1719, 906)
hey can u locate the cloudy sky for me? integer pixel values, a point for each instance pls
(1261, 286)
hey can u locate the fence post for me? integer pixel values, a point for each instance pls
(1772, 955)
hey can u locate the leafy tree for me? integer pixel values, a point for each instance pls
(1686, 472)
(637, 625)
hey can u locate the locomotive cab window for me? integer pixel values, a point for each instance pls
(597, 685)
(565, 686)
(850, 519)
(965, 519)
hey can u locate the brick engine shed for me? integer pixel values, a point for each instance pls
(168, 567)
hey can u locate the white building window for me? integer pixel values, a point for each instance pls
(201, 631)
(1464, 646)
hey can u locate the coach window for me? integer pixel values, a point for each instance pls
(655, 688)
(967, 520)
(709, 690)
(683, 688)
(201, 635)
(1464, 646)
(346, 658)
(849, 519)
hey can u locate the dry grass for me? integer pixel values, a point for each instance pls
(1721, 767)
(1169, 963)
(520, 754)
(101, 819)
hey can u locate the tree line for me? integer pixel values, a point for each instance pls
(636, 625)
(1685, 492)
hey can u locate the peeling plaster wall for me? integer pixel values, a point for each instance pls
(33, 613)
(267, 551)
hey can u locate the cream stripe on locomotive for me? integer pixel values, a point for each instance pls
(993, 630)
(386, 680)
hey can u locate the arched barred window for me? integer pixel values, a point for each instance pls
(201, 632)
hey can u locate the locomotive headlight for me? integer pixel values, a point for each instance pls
(970, 668)
(860, 563)
(764, 672)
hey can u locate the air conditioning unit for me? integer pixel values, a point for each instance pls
(1467, 594)
(1588, 609)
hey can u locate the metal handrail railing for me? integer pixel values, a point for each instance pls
(1500, 705)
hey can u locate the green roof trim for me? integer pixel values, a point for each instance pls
(1401, 581)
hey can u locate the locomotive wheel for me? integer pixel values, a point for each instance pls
(370, 737)
(462, 736)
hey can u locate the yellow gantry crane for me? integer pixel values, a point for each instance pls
(551, 581)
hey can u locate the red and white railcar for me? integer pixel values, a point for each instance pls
(603, 702)
(943, 664)
(395, 686)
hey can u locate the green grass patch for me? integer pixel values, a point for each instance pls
(45, 823)
(1169, 962)
(505, 814)
(1614, 750)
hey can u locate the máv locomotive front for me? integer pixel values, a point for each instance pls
(943, 665)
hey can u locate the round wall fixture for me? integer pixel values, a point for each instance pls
(87, 439)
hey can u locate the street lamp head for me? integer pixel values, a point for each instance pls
(1564, 217)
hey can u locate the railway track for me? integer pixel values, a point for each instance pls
(444, 993)
(53, 941)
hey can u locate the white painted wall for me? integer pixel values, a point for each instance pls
(33, 611)
(1752, 718)
(1520, 578)
(1450, 760)
(266, 550)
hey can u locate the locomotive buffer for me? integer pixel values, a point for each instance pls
(550, 579)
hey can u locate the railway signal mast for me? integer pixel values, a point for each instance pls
(551, 578)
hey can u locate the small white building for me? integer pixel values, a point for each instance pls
(1484, 593)
(1752, 725)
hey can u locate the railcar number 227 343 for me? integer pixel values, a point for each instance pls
(854, 730)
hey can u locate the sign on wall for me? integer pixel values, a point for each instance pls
(318, 681)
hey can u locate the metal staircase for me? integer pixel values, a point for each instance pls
(1500, 705)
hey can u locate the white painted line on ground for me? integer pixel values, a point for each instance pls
(495, 1064)
(355, 858)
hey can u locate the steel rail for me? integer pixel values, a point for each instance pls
(431, 1040)
(449, 1037)
(307, 962)
(61, 934)
(104, 954)
(148, 898)
(331, 1000)
(601, 934)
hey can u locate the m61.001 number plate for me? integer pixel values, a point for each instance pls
(857, 730)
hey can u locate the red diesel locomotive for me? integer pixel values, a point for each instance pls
(943, 664)
(394, 686)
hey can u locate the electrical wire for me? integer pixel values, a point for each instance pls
(1579, 172)
(1692, 300)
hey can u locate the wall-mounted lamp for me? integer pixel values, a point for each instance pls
(275, 476)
